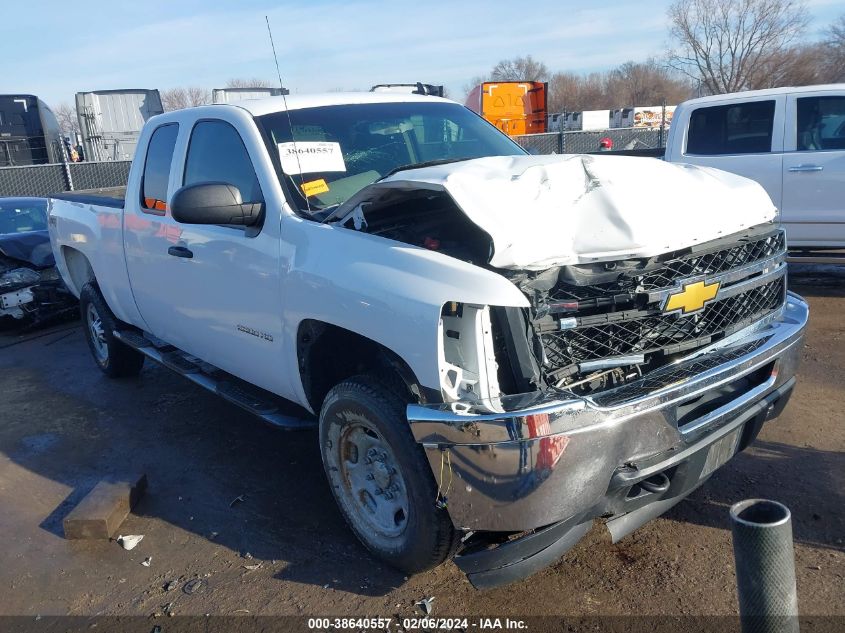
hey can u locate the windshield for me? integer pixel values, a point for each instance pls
(21, 216)
(341, 149)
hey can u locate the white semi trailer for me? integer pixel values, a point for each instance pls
(111, 120)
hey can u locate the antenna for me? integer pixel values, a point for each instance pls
(287, 111)
(275, 57)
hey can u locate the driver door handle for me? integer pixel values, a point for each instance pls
(806, 168)
(180, 251)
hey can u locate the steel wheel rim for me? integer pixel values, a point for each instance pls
(373, 482)
(97, 333)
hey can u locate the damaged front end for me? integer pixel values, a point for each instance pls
(605, 324)
(590, 324)
(598, 258)
(625, 378)
(32, 295)
(31, 289)
(622, 388)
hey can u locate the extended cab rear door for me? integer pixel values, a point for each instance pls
(814, 169)
(743, 136)
(210, 290)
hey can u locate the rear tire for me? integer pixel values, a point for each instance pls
(380, 476)
(114, 358)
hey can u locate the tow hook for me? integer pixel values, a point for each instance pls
(656, 484)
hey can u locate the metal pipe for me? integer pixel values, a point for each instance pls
(765, 566)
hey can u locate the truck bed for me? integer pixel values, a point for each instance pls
(107, 197)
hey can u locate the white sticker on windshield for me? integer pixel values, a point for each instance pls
(308, 157)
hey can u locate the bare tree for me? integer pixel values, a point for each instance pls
(520, 69)
(517, 69)
(240, 82)
(801, 65)
(726, 44)
(180, 98)
(472, 83)
(646, 83)
(572, 92)
(198, 96)
(631, 84)
(835, 42)
(66, 116)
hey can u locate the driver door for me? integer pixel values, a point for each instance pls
(210, 290)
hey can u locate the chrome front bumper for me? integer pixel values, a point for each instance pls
(523, 462)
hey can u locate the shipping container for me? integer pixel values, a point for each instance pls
(230, 95)
(111, 120)
(515, 107)
(587, 120)
(554, 122)
(29, 132)
(642, 116)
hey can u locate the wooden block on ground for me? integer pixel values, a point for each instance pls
(101, 511)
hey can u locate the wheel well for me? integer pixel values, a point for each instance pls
(78, 267)
(328, 354)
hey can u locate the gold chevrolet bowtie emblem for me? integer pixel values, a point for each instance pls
(692, 298)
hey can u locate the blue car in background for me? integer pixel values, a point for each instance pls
(31, 290)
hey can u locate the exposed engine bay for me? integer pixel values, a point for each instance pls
(591, 326)
(424, 218)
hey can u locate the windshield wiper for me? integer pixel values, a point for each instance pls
(428, 163)
(326, 212)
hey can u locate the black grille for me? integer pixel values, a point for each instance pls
(713, 263)
(668, 376)
(655, 331)
(676, 269)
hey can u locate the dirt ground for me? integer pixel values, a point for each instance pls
(64, 426)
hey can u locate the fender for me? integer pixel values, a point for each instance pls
(389, 292)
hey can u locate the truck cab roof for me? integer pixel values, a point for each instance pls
(768, 92)
(269, 105)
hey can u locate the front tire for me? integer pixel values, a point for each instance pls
(380, 477)
(114, 358)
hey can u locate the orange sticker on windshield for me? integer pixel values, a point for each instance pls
(314, 187)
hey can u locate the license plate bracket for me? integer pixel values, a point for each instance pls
(720, 452)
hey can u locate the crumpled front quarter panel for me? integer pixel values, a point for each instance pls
(384, 290)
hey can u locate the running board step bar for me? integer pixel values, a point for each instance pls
(267, 406)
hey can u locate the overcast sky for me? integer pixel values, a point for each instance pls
(55, 48)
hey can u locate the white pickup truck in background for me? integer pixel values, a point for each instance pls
(497, 348)
(790, 140)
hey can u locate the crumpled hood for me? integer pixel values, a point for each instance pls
(31, 248)
(544, 211)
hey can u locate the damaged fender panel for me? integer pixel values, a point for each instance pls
(545, 211)
(355, 282)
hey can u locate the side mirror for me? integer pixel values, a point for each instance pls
(213, 203)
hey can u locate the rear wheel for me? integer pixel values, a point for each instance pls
(114, 358)
(380, 476)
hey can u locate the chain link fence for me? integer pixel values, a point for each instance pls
(43, 180)
(99, 175)
(582, 142)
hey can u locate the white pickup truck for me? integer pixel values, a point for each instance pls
(497, 348)
(790, 140)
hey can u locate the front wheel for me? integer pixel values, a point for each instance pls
(114, 358)
(380, 477)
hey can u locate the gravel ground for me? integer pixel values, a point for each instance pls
(285, 550)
